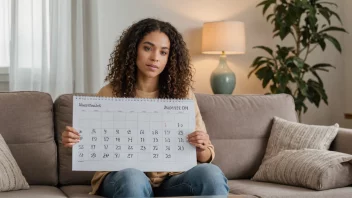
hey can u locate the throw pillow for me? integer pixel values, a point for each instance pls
(310, 168)
(11, 177)
(286, 135)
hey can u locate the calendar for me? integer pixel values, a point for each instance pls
(142, 133)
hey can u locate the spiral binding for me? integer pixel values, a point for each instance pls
(123, 99)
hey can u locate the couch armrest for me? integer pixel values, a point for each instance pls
(343, 141)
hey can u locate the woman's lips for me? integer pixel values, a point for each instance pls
(152, 67)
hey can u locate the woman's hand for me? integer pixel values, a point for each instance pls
(199, 139)
(69, 137)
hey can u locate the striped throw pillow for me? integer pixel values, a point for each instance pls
(11, 177)
(287, 135)
(309, 168)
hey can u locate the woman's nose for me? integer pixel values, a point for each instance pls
(154, 57)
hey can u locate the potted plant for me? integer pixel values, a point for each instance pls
(285, 69)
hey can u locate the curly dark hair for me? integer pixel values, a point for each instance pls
(175, 80)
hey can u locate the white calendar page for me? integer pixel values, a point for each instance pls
(146, 134)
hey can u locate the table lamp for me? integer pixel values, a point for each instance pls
(224, 38)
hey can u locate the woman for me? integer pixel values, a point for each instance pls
(151, 60)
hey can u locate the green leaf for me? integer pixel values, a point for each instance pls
(283, 78)
(305, 36)
(267, 49)
(299, 102)
(263, 3)
(295, 71)
(269, 16)
(260, 63)
(298, 62)
(334, 42)
(262, 72)
(252, 71)
(303, 87)
(288, 91)
(305, 108)
(266, 6)
(272, 21)
(322, 65)
(328, 3)
(283, 52)
(318, 77)
(336, 15)
(321, 69)
(312, 20)
(256, 60)
(306, 67)
(267, 78)
(273, 88)
(316, 92)
(284, 31)
(314, 97)
(326, 14)
(333, 28)
(322, 44)
(276, 34)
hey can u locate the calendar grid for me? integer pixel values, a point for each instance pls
(137, 134)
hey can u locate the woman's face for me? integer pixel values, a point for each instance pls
(152, 55)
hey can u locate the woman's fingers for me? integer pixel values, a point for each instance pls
(196, 133)
(201, 146)
(69, 145)
(198, 141)
(199, 138)
(69, 134)
(68, 128)
(69, 140)
(70, 137)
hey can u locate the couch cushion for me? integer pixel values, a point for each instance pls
(35, 192)
(270, 190)
(75, 191)
(342, 142)
(63, 118)
(238, 123)
(26, 121)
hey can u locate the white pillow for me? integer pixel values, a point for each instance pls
(11, 177)
(309, 168)
(286, 135)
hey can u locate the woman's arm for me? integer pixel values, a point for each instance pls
(200, 138)
(204, 156)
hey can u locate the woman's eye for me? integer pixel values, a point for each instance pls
(163, 53)
(146, 48)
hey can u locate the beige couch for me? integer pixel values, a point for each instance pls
(239, 127)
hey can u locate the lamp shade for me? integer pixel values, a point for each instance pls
(227, 36)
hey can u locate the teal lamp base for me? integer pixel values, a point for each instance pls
(223, 80)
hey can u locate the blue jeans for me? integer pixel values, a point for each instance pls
(203, 179)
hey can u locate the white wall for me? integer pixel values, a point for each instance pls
(333, 81)
(347, 60)
(110, 17)
(188, 17)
